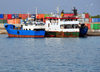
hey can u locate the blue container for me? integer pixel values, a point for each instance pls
(13, 15)
(95, 19)
(21, 21)
(98, 19)
(17, 16)
(1, 16)
(33, 15)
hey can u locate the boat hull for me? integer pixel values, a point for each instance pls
(23, 33)
(83, 31)
(61, 34)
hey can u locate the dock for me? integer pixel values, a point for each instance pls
(93, 33)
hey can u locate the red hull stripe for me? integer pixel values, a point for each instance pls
(23, 36)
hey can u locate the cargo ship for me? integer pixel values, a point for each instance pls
(32, 29)
(64, 27)
(61, 26)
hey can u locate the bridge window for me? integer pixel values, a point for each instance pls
(68, 26)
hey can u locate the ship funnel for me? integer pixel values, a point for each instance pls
(75, 11)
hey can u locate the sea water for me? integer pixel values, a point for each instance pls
(49, 54)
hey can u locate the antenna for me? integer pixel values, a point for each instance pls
(58, 11)
(28, 13)
(36, 10)
(36, 14)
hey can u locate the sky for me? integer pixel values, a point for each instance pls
(48, 6)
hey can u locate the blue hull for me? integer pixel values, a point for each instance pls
(83, 31)
(22, 33)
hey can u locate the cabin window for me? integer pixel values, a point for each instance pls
(68, 26)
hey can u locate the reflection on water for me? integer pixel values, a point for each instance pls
(49, 54)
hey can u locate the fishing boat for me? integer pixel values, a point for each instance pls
(30, 29)
(64, 27)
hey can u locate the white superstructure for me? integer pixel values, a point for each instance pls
(62, 25)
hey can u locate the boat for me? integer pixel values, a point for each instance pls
(64, 27)
(60, 26)
(27, 30)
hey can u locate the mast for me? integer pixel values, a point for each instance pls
(15, 18)
(36, 11)
(36, 14)
(57, 11)
(28, 15)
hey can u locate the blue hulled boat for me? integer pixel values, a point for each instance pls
(24, 31)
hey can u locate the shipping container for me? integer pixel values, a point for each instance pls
(4, 21)
(87, 15)
(95, 19)
(40, 16)
(9, 16)
(13, 15)
(16, 15)
(20, 16)
(33, 15)
(95, 26)
(88, 25)
(21, 21)
(91, 26)
(1, 20)
(5, 16)
(10, 21)
(1, 16)
(16, 21)
(48, 15)
(13, 21)
(90, 20)
(24, 16)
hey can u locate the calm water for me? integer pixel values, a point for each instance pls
(49, 54)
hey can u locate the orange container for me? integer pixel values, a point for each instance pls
(20, 16)
(5, 16)
(10, 21)
(24, 16)
(13, 21)
(88, 25)
(40, 16)
(16, 21)
(90, 19)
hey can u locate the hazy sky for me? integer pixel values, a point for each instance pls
(48, 6)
